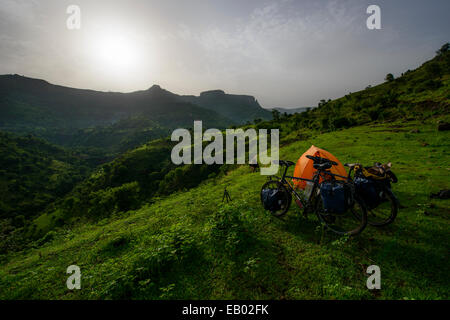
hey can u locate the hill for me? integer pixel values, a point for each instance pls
(103, 143)
(418, 94)
(239, 108)
(59, 113)
(190, 245)
(135, 177)
(33, 174)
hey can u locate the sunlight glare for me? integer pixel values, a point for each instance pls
(116, 53)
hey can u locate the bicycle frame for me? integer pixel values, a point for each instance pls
(337, 221)
(315, 180)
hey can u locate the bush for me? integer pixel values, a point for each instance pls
(173, 251)
(127, 196)
(229, 232)
(342, 122)
(325, 123)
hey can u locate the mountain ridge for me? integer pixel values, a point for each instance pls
(11, 81)
(57, 113)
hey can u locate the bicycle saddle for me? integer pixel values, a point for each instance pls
(320, 160)
(322, 166)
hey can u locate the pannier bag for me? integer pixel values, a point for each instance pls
(335, 197)
(369, 191)
(272, 199)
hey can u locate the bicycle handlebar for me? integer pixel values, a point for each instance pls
(351, 165)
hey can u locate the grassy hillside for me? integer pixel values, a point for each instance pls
(34, 173)
(190, 245)
(419, 94)
(126, 183)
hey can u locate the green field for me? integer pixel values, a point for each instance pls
(190, 245)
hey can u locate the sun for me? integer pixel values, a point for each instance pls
(119, 57)
(115, 53)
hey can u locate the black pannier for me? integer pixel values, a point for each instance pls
(335, 197)
(272, 199)
(369, 191)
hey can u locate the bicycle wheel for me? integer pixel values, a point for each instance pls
(350, 223)
(386, 212)
(284, 202)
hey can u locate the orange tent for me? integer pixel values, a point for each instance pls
(304, 167)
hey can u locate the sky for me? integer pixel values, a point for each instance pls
(287, 53)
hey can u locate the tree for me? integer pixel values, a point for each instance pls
(445, 48)
(322, 102)
(276, 114)
(389, 77)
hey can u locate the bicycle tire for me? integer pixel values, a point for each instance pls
(393, 213)
(362, 218)
(287, 197)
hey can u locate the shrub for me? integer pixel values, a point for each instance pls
(127, 196)
(229, 232)
(173, 250)
(342, 122)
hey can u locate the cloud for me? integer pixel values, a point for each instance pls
(16, 13)
(277, 48)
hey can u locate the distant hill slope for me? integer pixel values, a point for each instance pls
(239, 108)
(55, 112)
(34, 173)
(108, 141)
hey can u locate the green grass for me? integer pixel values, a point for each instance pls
(191, 246)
